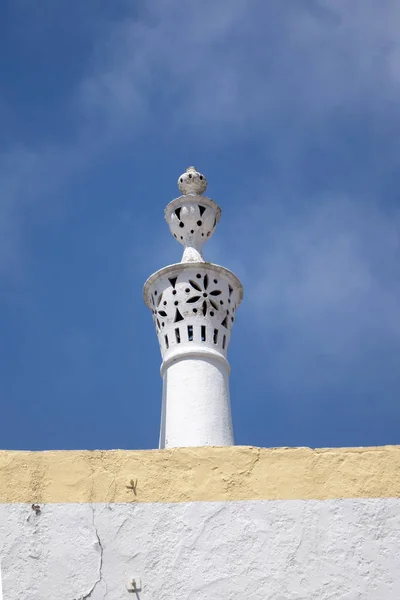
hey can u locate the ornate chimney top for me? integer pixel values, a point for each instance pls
(194, 307)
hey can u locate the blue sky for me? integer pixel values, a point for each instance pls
(292, 110)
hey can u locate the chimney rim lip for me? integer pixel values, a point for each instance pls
(179, 354)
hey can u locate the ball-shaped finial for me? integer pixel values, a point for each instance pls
(192, 182)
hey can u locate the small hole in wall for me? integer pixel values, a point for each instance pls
(176, 303)
(165, 303)
(223, 342)
(215, 336)
(174, 292)
(198, 275)
(187, 290)
(181, 224)
(192, 231)
(199, 223)
(155, 292)
(162, 324)
(166, 341)
(215, 280)
(190, 333)
(181, 179)
(211, 313)
(181, 237)
(203, 333)
(175, 236)
(190, 176)
(178, 316)
(202, 235)
(195, 310)
(177, 336)
(201, 177)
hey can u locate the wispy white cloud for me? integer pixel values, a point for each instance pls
(219, 71)
(236, 63)
(32, 189)
(23, 175)
(324, 293)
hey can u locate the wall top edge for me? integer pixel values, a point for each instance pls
(199, 474)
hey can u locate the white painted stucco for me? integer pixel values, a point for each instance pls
(197, 401)
(258, 550)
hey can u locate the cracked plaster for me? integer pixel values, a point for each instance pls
(255, 550)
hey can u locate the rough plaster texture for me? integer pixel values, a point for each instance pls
(188, 474)
(253, 550)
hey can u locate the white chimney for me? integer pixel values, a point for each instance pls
(194, 306)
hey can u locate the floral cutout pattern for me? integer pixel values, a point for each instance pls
(203, 296)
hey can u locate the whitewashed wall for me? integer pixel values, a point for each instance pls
(260, 550)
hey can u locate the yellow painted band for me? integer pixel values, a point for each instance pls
(199, 474)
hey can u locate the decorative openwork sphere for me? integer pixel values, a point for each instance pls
(192, 182)
(192, 222)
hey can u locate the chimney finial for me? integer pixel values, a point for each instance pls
(192, 182)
